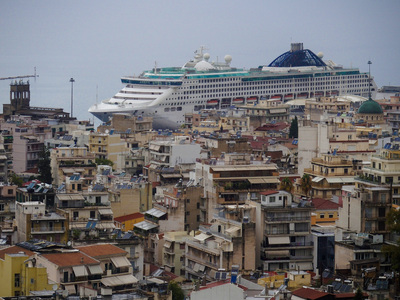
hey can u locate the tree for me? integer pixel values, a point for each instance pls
(16, 180)
(286, 185)
(44, 167)
(294, 129)
(103, 161)
(359, 295)
(393, 250)
(306, 184)
(177, 293)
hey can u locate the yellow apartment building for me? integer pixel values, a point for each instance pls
(19, 274)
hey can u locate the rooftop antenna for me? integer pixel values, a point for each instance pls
(369, 79)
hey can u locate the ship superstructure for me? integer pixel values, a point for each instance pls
(166, 94)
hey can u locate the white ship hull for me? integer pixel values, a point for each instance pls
(167, 94)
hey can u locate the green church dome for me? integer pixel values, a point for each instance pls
(370, 107)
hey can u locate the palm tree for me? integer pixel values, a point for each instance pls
(286, 185)
(306, 184)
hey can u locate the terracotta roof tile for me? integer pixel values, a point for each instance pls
(324, 204)
(14, 249)
(70, 259)
(102, 250)
(271, 192)
(133, 216)
(310, 294)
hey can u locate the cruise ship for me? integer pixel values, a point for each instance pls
(167, 94)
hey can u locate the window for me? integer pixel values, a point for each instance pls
(322, 216)
(1, 207)
(17, 278)
(92, 214)
(76, 215)
(272, 199)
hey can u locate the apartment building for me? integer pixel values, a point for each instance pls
(89, 216)
(109, 146)
(34, 222)
(174, 252)
(287, 242)
(230, 240)
(234, 179)
(67, 162)
(117, 269)
(328, 174)
(20, 274)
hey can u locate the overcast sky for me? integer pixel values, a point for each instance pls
(97, 42)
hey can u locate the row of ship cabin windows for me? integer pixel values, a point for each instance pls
(279, 81)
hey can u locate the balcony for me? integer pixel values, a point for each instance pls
(295, 245)
(287, 219)
(202, 262)
(47, 230)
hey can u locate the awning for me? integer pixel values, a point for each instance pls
(202, 237)
(167, 244)
(120, 262)
(144, 225)
(105, 225)
(277, 111)
(155, 280)
(276, 240)
(280, 253)
(317, 179)
(340, 179)
(105, 211)
(171, 175)
(80, 271)
(95, 269)
(232, 229)
(202, 268)
(71, 289)
(155, 147)
(155, 212)
(196, 267)
(263, 180)
(119, 280)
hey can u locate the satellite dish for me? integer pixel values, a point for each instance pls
(55, 286)
(64, 293)
(69, 244)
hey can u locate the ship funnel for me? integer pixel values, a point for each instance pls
(296, 47)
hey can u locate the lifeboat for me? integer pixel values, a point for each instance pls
(276, 97)
(288, 97)
(334, 93)
(251, 99)
(302, 95)
(238, 101)
(212, 102)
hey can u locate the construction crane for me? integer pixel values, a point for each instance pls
(21, 76)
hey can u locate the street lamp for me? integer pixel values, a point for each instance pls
(72, 96)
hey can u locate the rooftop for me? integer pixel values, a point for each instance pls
(102, 250)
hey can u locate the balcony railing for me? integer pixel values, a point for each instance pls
(48, 229)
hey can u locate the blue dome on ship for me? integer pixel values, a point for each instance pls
(297, 57)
